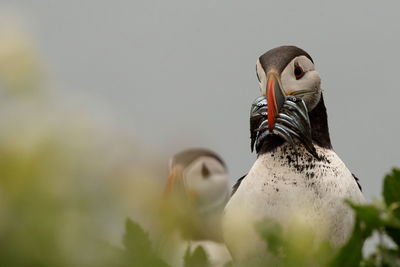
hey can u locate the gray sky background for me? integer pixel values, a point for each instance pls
(182, 73)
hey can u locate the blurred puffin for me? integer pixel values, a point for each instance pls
(296, 173)
(197, 190)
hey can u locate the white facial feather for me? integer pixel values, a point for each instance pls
(208, 189)
(262, 76)
(310, 81)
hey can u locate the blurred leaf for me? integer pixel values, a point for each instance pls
(196, 259)
(368, 219)
(351, 253)
(391, 194)
(271, 232)
(383, 256)
(20, 67)
(390, 257)
(139, 250)
(391, 189)
(369, 214)
(296, 246)
(394, 234)
(370, 261)
(229, 264)
(136, 240)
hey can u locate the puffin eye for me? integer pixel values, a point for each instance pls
(298, 72)
(205, 172)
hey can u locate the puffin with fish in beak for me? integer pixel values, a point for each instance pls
(297, 174)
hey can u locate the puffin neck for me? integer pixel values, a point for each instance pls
(319, 131)
(319, 125)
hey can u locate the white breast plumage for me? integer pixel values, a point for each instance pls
(283, 186)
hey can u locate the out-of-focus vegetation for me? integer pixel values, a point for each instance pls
(68, 183)
(380, 218)
(20, 69)
(68, 179)
(296, 247)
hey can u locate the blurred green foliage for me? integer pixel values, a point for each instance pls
(295, 247)
(197, 258)
(20, 67)
(139, 250)
(381, 219)
(67, 179)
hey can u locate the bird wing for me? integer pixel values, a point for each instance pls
(237, 184)
(355, 178)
